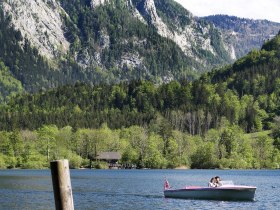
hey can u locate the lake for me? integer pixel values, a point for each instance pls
(133, 189)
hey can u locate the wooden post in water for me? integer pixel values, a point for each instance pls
(62, 185)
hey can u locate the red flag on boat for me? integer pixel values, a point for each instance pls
(166, 185)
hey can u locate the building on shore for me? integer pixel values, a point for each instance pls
(112, 158)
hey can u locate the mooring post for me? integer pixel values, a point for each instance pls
(62, 185)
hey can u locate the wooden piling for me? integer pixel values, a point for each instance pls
(62, 185)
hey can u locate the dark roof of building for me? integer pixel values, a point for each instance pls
(109, 156)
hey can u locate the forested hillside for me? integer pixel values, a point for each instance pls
(152, 124)
(246, 93)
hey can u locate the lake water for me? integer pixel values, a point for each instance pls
(133, 189)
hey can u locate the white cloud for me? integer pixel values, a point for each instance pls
(255, 9)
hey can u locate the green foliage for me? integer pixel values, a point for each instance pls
(2, 161)
(264, 151)
(75, 161)
(204, 157)
(100, 165)
(154, 157)
(142, 147)
(35, 160)
(273, 45)
(9, 86)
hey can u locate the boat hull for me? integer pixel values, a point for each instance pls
(213, 193)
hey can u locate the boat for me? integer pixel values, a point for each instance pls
(227, 191)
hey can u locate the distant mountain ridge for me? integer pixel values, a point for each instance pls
(244, 34)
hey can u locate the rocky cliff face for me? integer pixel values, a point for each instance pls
(40, 22)
(188, 37)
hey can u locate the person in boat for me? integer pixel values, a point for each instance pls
(218, 181)
(212, 182)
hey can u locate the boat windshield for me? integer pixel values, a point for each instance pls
(226, 182)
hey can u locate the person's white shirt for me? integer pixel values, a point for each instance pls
(211, 184)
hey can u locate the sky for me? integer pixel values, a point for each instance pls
(253, 9)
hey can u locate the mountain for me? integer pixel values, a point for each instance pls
(48, 43)
(105, 41)
(244, 34)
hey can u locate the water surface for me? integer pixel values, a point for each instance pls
(133, 189)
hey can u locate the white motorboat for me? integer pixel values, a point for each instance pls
(227, 191)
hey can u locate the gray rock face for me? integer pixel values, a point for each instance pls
(188, 38)
(40, 22)
(96, 3)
